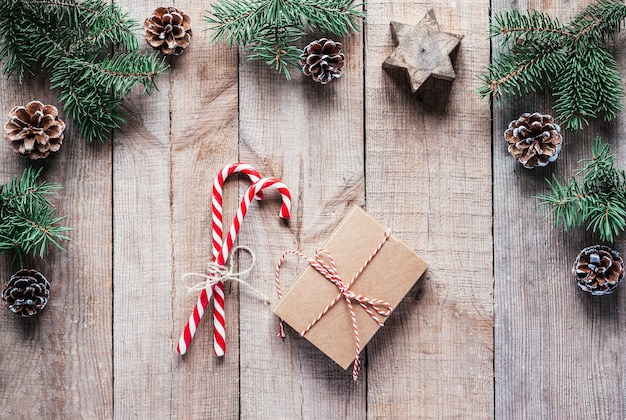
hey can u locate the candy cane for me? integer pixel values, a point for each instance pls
(219, 312)
(255, 191)
(216, 217)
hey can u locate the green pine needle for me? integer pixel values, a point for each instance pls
(90, 51)
(599, 198)
(28, 221)
(572, 59)
(272, 28)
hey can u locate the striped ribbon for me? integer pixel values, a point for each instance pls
(329, 270)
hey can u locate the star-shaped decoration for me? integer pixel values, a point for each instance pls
(423, 51)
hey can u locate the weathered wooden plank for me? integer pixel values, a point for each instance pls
(204, 113)
(428, 178)
(142, 243)
(558, 352)
(60, 362)
(311, 136)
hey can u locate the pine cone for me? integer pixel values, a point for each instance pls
(27, 292)
(534, 139)
(598, 270)
(322, 60)
(168, 30)
(34, 130)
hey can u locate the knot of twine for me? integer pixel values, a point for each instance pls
(222, 273)
(328, 269)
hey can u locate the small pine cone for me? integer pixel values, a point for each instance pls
(34, 130)
(27, 292)
(168, 30)
(322, 60)
(598, 270)
(534, 139)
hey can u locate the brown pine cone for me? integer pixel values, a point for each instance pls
(322, 60)
(27, 292)
(168, 30)
(598, 270)
(534, 139)
(34, 130)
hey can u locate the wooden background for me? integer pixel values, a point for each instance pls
(498, 330)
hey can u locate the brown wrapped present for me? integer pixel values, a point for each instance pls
(391, 270)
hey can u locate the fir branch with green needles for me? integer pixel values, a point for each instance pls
(599, 198)
(90, 51)
(272, 28)
(572, 59)
(28, 221)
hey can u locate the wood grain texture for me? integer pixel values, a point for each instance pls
(142, 242)
(311, 136)
(61, 360)
(429, 180)
(559, 352)
(204, 121)
(498, 329)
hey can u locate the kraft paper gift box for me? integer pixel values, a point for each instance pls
(390, 275)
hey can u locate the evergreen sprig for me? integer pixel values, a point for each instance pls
(572, 59)
(28, 221)
(599, 198)
(271, 28)
(89, 50)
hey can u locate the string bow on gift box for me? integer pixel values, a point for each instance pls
(324, 263)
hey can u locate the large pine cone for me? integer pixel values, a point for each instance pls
(34, 130)
(598, 269)
(27, 292)
(168, 30)
(322, 60)
(534, 139)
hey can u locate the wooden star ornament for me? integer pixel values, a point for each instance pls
(423, 51)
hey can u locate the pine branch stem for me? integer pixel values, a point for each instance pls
(572, 199)
(506, 31)
(494, 85)
(101, 34)
(59, 3)
(30, 191)
(149, 75)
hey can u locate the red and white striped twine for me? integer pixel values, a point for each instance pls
(222, 249)
(329, 270)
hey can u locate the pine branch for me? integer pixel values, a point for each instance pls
(521, 73)
(90, 51)
(276, 49)
(28, 221)
(572, 59)
(599, 198)
(272, 28)
(331, 16)
(13, 42)
(531, 26)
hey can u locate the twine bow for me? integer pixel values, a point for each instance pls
(328, 269)
(224, 273)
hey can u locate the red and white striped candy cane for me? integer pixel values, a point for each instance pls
(219, 312)
(216, 220)
(255, 190)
